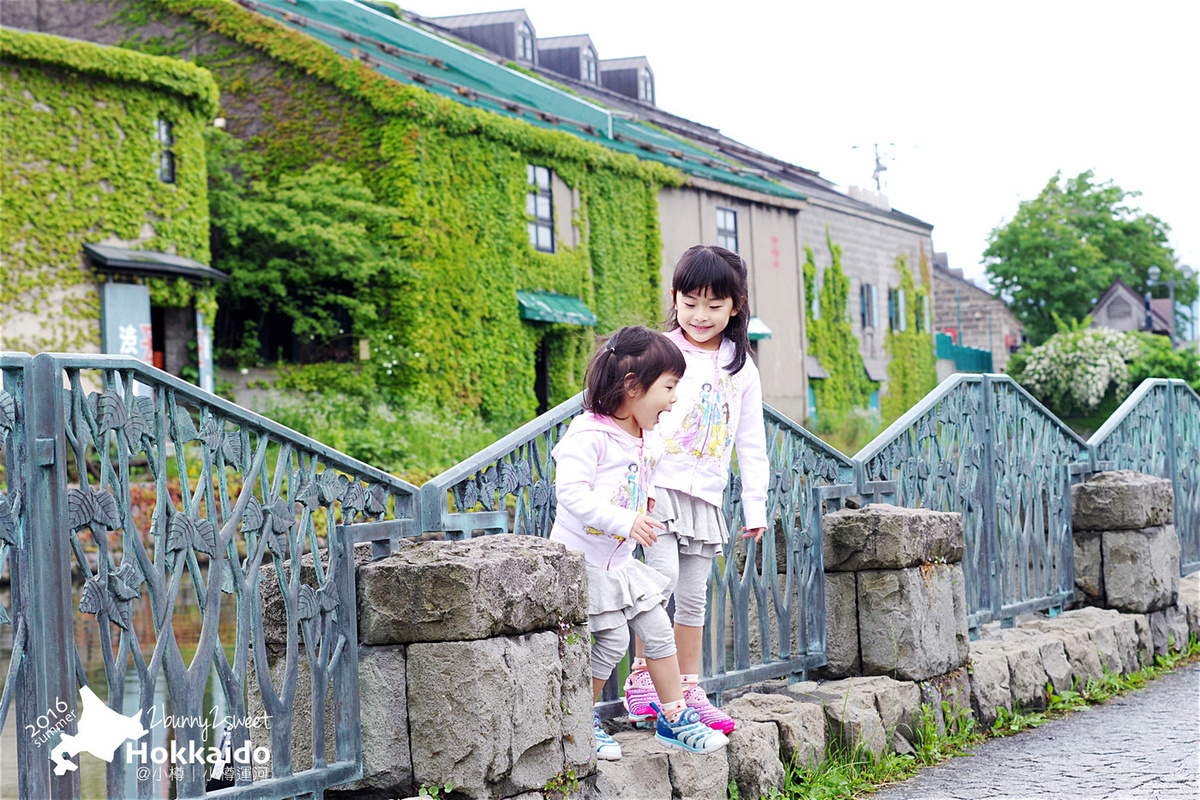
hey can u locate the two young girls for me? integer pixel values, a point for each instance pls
(610, 497)
(605, 465)
(720, 407)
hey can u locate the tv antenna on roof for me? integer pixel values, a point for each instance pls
(880, 167)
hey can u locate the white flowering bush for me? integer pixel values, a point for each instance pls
(1073, 371)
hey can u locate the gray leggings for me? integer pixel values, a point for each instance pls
(653, 627)
(688, 576)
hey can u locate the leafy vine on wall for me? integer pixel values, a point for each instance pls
(79, 165)
(912, 371)
(457, 176)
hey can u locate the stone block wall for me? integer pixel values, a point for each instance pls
(1126, 548)
(895, 599)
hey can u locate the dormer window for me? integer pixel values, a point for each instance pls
(165, 136)
(525, 43)
(591, 66)
(645, 86)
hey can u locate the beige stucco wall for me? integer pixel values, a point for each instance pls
(767, 239)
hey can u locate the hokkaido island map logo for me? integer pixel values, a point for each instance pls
(101, 731)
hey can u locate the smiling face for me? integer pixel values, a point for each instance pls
(703, 317)
(644, 407)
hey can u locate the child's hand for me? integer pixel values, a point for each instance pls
(650, 505)
(642, 531)
(757, 533)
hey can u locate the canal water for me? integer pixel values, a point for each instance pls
(186, 624)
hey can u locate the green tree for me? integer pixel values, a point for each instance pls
(312, 246)
(1064, 248)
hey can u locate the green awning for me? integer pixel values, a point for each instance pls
(552, 307)
(758, 329)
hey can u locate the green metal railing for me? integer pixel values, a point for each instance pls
(220, 493)
(1157, 431)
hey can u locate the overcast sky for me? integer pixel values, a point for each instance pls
(977, 104)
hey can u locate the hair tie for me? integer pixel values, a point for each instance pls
(609, 347)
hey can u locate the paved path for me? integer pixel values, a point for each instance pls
(1144, 744)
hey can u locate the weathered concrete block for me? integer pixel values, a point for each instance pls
(991, 687)
(852, 717)
(643, 773)
(703, 777)
(1169, 629)
(1089, 570)
(962, 636)
(907, 623)
(1189, 601)
(1141, 568)
(387, 763)
(499, 585)
(1051, 662)
(489, 716)
(754, 765)
(880, 536)
(1114, 634)
(1121, 500)
(841, 625)
(954, 691)
(801, 725)
(1145, 636)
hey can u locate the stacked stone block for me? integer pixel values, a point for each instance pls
(1127, 551)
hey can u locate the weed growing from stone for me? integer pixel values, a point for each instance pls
(436, 792)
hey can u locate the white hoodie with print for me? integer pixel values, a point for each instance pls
(716, 412)
(603, 479)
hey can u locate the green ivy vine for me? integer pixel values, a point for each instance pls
(831, 338)
(79, 165)
(912, 370)
(452, 335)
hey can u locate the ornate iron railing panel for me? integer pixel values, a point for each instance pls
(508, 486)
(14, 531)
(766, 614)
(1157, 431)
(157, 490)
(982, 446)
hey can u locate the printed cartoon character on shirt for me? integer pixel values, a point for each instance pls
(631, 494)
(704, 432)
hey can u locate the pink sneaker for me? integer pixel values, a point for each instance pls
(710, 715)
(639, 694)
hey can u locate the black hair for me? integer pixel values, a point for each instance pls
(636, 354)
(723, 273)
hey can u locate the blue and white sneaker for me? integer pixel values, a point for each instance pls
(689, 733)
(607, 748)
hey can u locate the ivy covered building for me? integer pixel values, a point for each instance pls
(104, 223)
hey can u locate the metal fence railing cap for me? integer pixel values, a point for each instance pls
(232, 411)
(926, 404)
(433, 492)
(828, 450)
(1131, 402)
(1064, 427)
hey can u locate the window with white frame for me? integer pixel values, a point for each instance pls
(525, 43)
(539, 206)
(646, 86)
(165, 136)
(727, 235)
(591, 66)
(897, 310)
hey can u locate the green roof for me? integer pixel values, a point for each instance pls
(410, 55)
(553, 307)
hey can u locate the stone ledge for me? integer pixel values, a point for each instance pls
(881, 536)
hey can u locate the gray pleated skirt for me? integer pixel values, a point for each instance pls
(616, 597)
(700, 527)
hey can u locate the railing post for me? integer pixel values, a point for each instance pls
(49, 675)
(987, 502)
